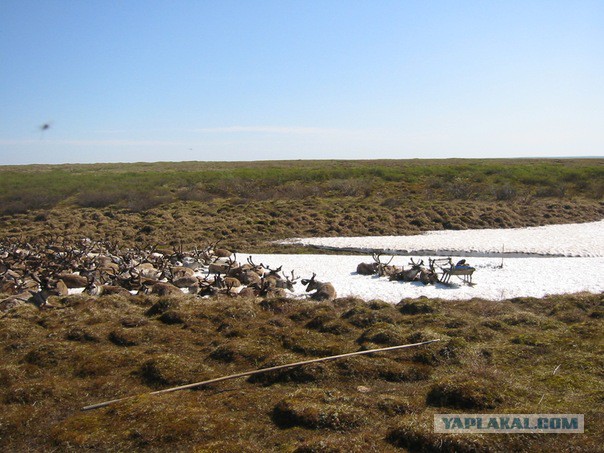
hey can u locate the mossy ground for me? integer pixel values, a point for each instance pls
(492, 357)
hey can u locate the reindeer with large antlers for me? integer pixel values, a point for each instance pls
(409, 275)
(385, 269)
(282, 281)
(247, 274)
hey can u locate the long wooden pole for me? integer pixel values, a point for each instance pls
(253, 372)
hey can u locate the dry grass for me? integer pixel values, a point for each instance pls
(94, 349)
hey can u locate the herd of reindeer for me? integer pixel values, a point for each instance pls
(33, 271)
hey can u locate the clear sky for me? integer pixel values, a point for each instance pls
(174, 80)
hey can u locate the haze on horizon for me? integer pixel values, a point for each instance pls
(135, 81)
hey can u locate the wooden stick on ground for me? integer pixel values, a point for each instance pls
(262, 370)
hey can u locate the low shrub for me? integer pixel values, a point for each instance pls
(168, 370)
(124, 337)
(162, 306)
(394, 405)
(172, 317)
(241, 350)
(99, 198)
(363, 317)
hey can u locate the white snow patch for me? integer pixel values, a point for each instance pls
(519, 277)
(582, 240)
(572, 261)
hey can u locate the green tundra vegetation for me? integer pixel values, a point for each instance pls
(522, 355)
(248, 205)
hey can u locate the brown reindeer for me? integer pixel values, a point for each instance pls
(220, 252)
(368, 268)
(160, 288)
(73, 280)
(277, 280)
(95, 289)
(222, 266)
(385, 270)
(323, 291)
(266, 288)
(409, 275)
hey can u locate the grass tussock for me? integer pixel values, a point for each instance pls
(543, 355)
(318, 409)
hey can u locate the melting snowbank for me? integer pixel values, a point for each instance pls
(578, 240)
(572, 260)
(519, 277)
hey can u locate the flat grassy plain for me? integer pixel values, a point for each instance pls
(514, 356)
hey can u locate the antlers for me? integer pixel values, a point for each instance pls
(376, 258)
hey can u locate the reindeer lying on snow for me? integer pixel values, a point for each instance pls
(34, 272)
(377, 267)
(324, 291)
(438, 271)
(417, 271)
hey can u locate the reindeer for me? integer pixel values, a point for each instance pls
(207, 287)
(176, 272)
(228, 287)
(147, 270)
(367, 268)
(222, 266)
(384, 270)
(186, 282)
(47, 288)
(282, 281)
(409, 275)
(100, 290)
(72, 280)
(249, 291)
(248, 273)
(324, 291)
(10, 282)
(159, 288)
(266, 288)
(259, 269)
(245, 276)
(289, 283)
(220, 252)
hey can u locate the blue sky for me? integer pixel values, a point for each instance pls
(126, 81)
